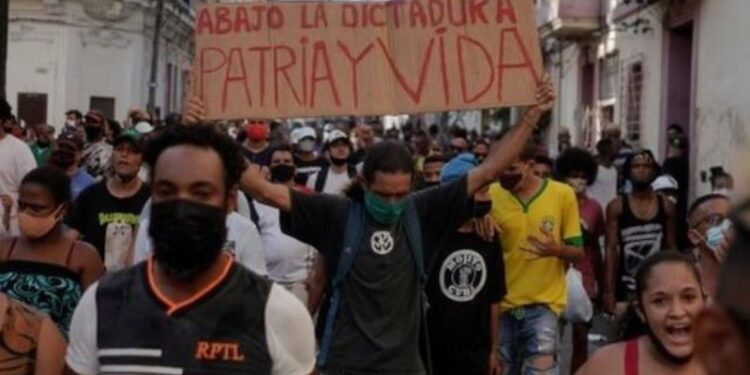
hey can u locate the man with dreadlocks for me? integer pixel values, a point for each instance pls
(639, 224)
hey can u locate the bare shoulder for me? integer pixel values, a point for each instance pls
(607, 360)
(86, 252)
(614, 207)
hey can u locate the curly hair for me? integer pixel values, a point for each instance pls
(574, 160)
(202, 136)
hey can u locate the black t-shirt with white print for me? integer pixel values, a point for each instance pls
(468, 277)
(377, 330)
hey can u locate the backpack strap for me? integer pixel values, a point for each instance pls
(320, 179)
(351, 170)
(356, 222)
(413, 230)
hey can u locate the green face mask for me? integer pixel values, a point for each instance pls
(383, 211)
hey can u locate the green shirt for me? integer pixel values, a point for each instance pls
(41, 154)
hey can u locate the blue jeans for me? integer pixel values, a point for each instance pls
(528, 333)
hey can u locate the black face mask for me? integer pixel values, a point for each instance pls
(187, 236)
(339, 162)
(62, 159)
(640, 185)
(44, 143)
(93, 132)
(282, 173)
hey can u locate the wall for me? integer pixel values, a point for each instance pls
(566, 77)
(647, 48)
(722, 117)
(60, 51)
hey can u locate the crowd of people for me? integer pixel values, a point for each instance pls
(190, 246)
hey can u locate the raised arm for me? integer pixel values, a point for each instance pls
(254, 182)
(504, 152)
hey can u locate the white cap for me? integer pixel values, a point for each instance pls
(143, 127)
(335, 135)
(665, 182)
(303, 132)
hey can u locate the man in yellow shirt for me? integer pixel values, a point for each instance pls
(541, 232)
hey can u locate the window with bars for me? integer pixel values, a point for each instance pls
(633, 101)
(608, 76)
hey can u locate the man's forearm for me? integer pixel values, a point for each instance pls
(495, 326)
(270, 194)
(570, 253)
(610, 264)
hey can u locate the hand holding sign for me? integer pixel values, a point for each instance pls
(195, 111)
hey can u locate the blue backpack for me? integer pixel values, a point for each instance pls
(356, 225)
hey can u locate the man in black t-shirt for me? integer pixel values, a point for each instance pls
(106, 214)
(377, 328)
(465, 289)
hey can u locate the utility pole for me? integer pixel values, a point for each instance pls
(154, 58)
(4, 4)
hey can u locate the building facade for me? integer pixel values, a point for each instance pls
(643, 65)
(95, 54)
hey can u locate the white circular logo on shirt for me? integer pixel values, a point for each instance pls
(381, 242)
(463, 275)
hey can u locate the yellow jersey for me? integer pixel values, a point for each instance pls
(532, 280)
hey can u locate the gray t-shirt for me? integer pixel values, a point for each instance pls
(378, 327)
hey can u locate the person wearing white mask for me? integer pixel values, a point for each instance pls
(710, 232)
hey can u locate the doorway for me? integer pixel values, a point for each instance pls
(32, 108)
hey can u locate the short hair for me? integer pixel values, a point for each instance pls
(676, 127)
(576, 159)
(115, 127)
(201, 136)
(387, 157)
(6, 112)
(701, 200)
(529, 150)
(604, 144)
(52, 179)
(76, 113)
(283, 148)
(544, 160)
(434, 159)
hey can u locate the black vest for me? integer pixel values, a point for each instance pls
(221, 333)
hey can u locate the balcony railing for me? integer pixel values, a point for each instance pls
(568, 18)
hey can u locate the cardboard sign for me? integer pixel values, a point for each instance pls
(300, 59)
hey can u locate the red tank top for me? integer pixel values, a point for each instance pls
(631, 357)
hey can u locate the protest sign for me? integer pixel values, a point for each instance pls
(299, 59)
